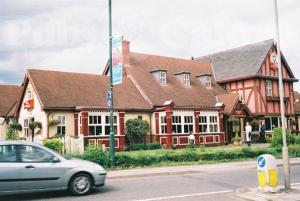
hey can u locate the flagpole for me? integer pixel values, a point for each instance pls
(285, 152)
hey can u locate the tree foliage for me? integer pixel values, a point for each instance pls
(136, 131)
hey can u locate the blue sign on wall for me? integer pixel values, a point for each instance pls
(261, 161)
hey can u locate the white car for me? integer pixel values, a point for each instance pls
(30, 167)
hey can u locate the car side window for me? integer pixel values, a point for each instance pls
(32, 154)
(8, 154)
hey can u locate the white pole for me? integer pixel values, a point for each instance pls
(285, 152)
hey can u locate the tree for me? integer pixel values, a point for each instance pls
(12, 130)
(136, 131)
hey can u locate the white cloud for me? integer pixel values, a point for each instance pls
(72, 35)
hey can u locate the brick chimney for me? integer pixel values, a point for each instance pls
(126, 53)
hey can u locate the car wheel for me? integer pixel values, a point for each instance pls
(80, 184)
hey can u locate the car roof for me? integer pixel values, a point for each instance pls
(13, 142)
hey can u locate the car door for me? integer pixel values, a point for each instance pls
(9, 169)
(39, 171)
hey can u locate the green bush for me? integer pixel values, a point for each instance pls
(11, 134)
(55, 144)
(297, 139)
(136, 130)
(152, 146)
(294, 150)
(95, 155)
(137, 147)
(277, 138)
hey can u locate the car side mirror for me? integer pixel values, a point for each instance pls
(55, 160)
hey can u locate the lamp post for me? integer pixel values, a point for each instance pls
(111, 117)
(285, 152)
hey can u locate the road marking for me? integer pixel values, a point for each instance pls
(187, 195)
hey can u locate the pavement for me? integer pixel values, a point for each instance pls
(239, 194)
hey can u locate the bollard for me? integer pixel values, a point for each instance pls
(267, 173)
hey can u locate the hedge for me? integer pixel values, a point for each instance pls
(155, 157)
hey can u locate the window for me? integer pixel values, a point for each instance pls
(8, 153)
(208, 124)
(95, 127)
(163, 78)
(29, 95)
(26, 128)
(272, 122)
(163, 124)
(213, 126)
(188, 124)
(206, 80)
(61, 127)
(140, 117)
(31, 154)
(203, 126)
(186, 80)
(269, 87)
(107, 125)
(176, 124)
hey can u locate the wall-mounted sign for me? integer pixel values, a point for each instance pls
(117, 60)
(29, 105)
(273, 60)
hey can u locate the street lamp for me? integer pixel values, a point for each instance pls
(285, 152)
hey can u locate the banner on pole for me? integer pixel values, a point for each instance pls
(117, 60)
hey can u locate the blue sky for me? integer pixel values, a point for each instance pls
(71, 35)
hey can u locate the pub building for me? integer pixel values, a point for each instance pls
(175, 96)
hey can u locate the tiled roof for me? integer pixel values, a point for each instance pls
(141, 66)
(8, 98)
(70, 90)
(239, 62)
(297, 103)
(229, 100)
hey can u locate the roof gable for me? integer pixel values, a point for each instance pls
(239, 62)
(8, 98)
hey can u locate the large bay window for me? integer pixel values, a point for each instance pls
(100, 124)
(208, 123)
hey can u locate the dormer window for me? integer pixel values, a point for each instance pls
(184, 78)
(205, 79)
(161, 76)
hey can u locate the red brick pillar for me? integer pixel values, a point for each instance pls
(122, 131)
(221, 127)
(196, 125)
(169, 113)
(76, 124)
(84, 123)
(156, 116)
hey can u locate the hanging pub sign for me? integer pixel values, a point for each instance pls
(29, 104)
(117, 60)
(273, 60)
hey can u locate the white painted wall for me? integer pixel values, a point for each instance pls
(70, 130)
(3, 131)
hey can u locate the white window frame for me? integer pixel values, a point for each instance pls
(95, 124)
(26, 128)
(186, 79)
(208, 82)
(203, 123)
(177, 122)
(188, 121)
(279, 122)
(163, 124)
(103, 123)
(107, 123)
(163, 78)
(212, 122)
(62, 124)
(269, 88)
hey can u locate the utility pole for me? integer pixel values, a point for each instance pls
(111, 106)
(285, 152)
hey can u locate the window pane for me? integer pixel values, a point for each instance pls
(98, 130)
(274, 122)
(34, 154)
(63, 130)
(107, 130)
(268, 123)
(58, 130)
(95, 119)
(8, 153)
(90, 120)
(107, 119)
(99, 119)
(91, 130)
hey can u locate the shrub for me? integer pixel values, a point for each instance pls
(294, 150)
(137, 147)
(11, 134)
(95, 155)
(54, 143)
(277, 138)
(136, 130)
(297, 139)
(152, 146)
